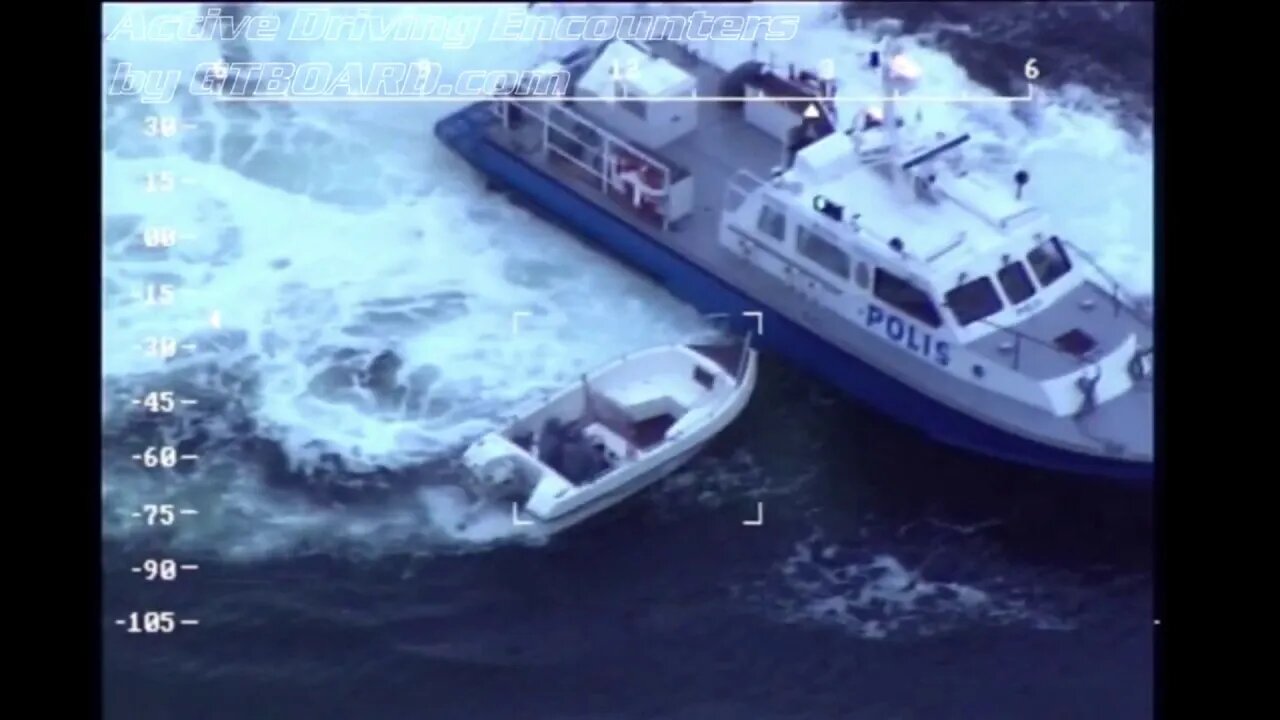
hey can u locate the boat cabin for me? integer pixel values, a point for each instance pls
(646, 94)
(610, 132)
(966, 260)
(889, 215)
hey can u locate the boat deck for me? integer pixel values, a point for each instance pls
(1036, 349)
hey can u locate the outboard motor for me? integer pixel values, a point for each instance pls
(505, 480)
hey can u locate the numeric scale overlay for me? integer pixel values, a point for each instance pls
(159, 458)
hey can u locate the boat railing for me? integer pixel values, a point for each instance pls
(1019, 337)
(564, 128)
(1121, 299)
(1086, 386)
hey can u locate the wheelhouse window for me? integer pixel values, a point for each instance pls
(973, 301)
(1016, 283)
(1049, 261)
(822, 251)
(773, 222)
(906, 297)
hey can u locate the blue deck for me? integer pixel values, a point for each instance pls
(465, 133)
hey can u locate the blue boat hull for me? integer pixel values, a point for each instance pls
(464, 133)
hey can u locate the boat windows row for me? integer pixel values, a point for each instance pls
(977, 300)
(969, 302)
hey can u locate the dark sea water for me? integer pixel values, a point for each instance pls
(893, 579)
(669, 608)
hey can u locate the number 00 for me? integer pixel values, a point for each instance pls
(154, 237)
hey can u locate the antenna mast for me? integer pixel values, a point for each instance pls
(889, 86)
(898, 75)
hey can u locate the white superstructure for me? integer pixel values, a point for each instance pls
(626, 74)
(888, 228)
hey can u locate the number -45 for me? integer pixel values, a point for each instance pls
(159, 401)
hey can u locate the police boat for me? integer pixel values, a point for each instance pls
(868, 249)
(617, 431)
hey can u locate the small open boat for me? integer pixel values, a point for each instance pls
(620, 429)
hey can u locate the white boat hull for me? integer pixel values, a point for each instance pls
(644, 416)
(525, 524)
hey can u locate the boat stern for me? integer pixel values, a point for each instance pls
(502, 471)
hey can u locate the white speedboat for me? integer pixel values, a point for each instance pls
(617, 431)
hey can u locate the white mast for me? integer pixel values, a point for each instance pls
(889, 87)
(898, 76)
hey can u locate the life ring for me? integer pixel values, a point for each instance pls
(1138, 370)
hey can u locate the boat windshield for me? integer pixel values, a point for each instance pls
(1049, 261)
(974, 301)
(906, 297)
(1016, 283)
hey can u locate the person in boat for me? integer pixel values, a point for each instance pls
(550, 442)
(581, 460)
(566, 450)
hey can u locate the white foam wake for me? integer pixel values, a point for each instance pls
(877, 596)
